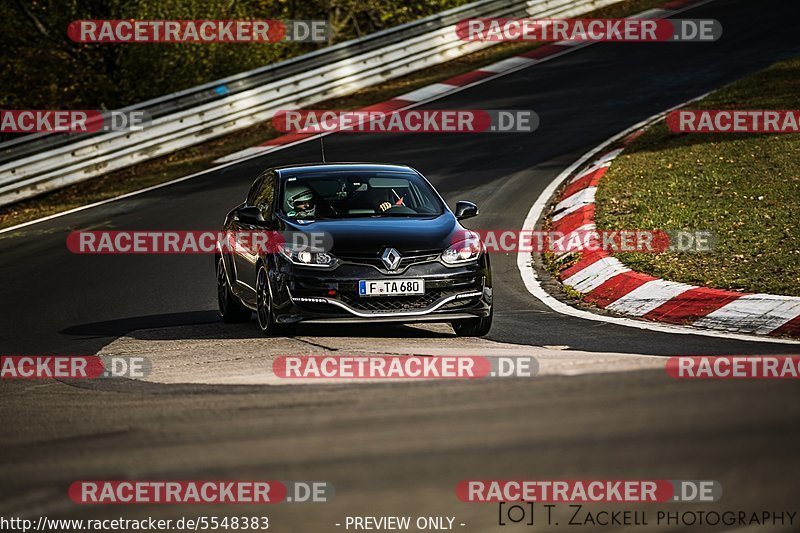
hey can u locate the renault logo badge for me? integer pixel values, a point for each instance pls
(390, 258)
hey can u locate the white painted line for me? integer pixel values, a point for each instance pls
(596, 274)
(652, 14)
(569, 43)
(247, 152)
(648, 296)
(573, 203)
(424, 93)
(753, 313)
(506, 64)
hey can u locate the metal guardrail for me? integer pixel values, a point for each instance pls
(39, 163)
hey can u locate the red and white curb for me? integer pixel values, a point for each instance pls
(604, 281)
(457, 83)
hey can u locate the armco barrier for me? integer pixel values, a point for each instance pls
(38, 163)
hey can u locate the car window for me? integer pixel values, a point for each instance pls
(251, 194)
(343, 194)
(266, 194)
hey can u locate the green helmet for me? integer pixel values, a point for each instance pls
(299, 201)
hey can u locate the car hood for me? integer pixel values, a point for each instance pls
(373, 234)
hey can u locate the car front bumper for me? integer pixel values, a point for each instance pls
(318, 295)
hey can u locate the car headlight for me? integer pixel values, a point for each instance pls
(304, 257)
(463, 252)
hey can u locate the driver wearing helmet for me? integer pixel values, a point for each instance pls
(300, 202)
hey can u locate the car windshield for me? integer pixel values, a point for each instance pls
(359, 194)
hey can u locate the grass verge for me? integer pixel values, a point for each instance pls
(201, 156)
(743, 187)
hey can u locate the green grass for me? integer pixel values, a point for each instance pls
(743, 187)
(197, 158)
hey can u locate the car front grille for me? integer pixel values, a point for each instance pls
(375, 261)
(395, 304)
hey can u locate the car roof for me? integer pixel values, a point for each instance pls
(313, 168)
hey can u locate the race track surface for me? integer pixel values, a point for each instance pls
(397, 448)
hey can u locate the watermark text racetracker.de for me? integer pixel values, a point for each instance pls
(407, 121)
(403, 367)
(589, 30)
(734, 367)
(734, 121)
(73, 367)
(198, 31)
(71, 121)
(207, 492)
(588, 240)
(196, 242)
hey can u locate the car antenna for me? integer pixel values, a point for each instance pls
(322, 147)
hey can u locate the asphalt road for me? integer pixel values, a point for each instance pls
(399, 448)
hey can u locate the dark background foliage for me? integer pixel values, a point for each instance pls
(41, 68)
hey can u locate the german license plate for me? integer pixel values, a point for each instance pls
(391, 287)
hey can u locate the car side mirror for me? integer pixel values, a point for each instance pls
(250, 215)
(466, 210)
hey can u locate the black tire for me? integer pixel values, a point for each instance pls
(266, 320)
(474, 327)
(230, 309)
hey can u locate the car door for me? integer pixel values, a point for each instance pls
(262, 197)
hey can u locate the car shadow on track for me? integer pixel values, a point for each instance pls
(122, 326)
(161, 327)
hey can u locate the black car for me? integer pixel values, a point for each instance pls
(394, 253)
